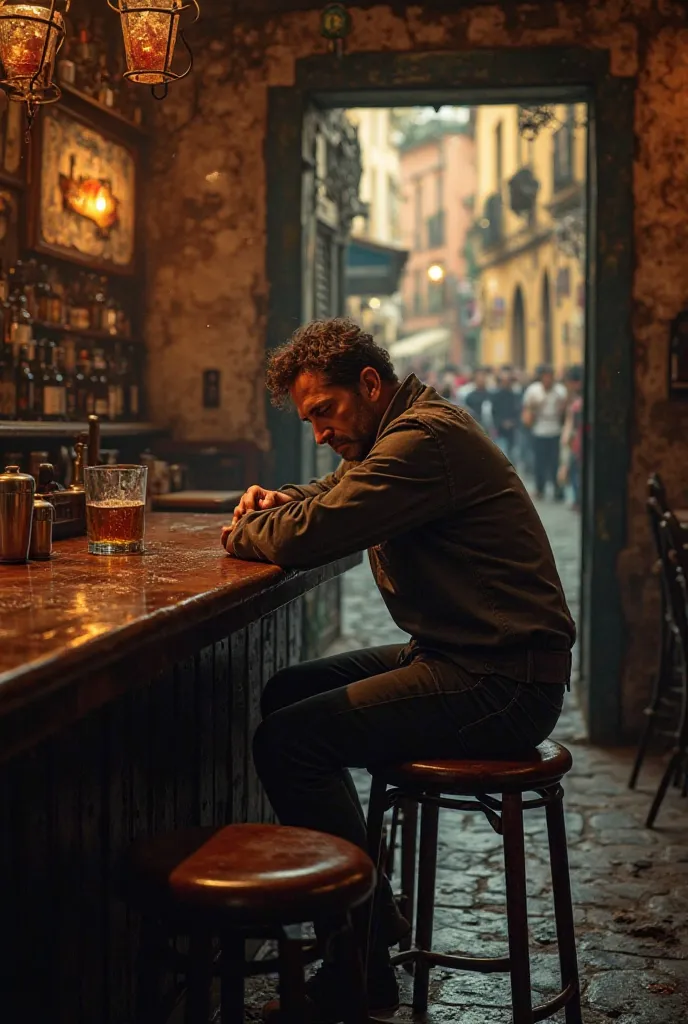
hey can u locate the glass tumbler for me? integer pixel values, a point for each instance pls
(115, 509)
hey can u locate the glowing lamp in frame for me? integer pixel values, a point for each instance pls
(150, 29)
(30, 37)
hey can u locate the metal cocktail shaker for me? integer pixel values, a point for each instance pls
(42, 530)
(16, 512)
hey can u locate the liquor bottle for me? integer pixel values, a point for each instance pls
(8, 383)
(106, 94)
(69, 372)
(100, 385)
(4, 292)
(84, 400)
(78, 312)
(84, 59)
(98, 305)
(54, 387)
(111, 315)
(132, 398)
(37, 358)
(30, 279)
(43, 295)
(56, 296)
(19, 321)
(26, 390)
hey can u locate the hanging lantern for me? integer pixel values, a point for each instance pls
(150, 29)
(30, 36)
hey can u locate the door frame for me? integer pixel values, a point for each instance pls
(540, 74)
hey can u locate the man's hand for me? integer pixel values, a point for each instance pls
(255, 499)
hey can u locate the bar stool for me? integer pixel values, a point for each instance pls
(427, 783)
(223, 886)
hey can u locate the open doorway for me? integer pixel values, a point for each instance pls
(467, 260)
(519, 84)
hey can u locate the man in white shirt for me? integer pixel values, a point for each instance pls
(544, 406)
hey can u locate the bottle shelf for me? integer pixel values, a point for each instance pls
(88, 334)
(70, 90)
(47, 428)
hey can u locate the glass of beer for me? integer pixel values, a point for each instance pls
(115, 507)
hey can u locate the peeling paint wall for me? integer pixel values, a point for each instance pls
(206, 221)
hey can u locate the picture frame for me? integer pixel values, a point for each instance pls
(83, 193)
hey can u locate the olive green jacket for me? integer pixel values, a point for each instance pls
(456, 546)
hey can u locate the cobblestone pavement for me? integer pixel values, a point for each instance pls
(630, 885)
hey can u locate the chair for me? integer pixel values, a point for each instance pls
(495, 788)
(674, 572)
(222, 887)
(666, 690)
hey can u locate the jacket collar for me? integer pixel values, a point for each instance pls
(405, 396)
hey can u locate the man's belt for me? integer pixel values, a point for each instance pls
(539, 666)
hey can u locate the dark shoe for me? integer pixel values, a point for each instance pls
(395, 927)
(326, 992)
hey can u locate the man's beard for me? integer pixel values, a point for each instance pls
(357, 445)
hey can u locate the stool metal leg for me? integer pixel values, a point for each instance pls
(409, 834)
(517, 907)
(563, 906)
(356, 1010)
(376, 819)
(199, 979)
(232, 960)
(426, 903)
(292, 985)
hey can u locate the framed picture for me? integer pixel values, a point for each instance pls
(82, 200)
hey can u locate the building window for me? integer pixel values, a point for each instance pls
(499, 158)
(435, 230)
(418, 243)
(417, 292)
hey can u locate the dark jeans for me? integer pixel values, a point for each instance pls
(546, 457)
(374, 706)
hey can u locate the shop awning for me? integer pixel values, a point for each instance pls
(373, 268)
(422, 341)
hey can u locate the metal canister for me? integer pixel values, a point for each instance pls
(41, 547)
(16, 512)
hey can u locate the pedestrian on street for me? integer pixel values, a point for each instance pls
(464, 565)
(506, 412)
(544, 405)
(571, 455)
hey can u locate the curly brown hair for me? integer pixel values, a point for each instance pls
(337, 348)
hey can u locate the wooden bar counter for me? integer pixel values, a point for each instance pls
(129, 691)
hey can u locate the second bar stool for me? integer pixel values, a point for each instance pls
(496, 788)
(222, 886)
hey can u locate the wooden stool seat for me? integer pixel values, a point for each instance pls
(547, 764)
(251, 874)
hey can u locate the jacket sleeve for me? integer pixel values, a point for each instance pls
(402, 484)
(320, 486)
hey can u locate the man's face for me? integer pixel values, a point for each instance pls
(345, 418)
(548, 381)
(480, 379)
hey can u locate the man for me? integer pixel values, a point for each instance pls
(506, 411)
(544, 405)
(463, 563)
(571, 456)
(477, 399)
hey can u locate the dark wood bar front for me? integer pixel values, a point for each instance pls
(129, 691)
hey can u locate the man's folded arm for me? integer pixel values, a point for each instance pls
(321, 486)
(402, 484)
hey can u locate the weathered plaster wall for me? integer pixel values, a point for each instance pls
(206, 221)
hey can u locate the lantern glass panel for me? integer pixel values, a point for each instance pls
(150, 33)
(23, 31)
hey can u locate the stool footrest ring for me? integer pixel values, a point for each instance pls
(545, 1010)
(482, 964)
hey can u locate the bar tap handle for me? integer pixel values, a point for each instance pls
(77, 483)
(93, 441)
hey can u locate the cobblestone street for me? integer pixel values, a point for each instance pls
(630, 885)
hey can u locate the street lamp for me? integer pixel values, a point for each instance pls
(436, 273)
